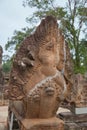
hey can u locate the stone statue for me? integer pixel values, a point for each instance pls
(80, 91)
(1, 51)
(37, 84)
(1, 73)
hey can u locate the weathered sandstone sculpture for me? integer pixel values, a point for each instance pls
(1, 73)
(80, 91)
(1, 51)
(37, 84)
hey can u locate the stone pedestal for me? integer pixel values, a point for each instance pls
(42, 124)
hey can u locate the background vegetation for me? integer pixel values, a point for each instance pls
(72, 20)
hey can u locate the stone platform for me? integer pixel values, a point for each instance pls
(73, 121)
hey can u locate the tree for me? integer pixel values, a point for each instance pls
(17, 38)
(73, 26)
(7, 63)
(72, 20)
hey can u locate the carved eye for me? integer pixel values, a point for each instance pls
(50, 46)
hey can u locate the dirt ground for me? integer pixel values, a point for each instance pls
(3, 117)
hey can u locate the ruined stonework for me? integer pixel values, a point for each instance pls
(37, 82)
(80, 91)
(1, 73)
(77, 118)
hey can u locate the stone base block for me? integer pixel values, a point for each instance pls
(42, 124)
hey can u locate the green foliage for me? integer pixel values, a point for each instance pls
(17, 38)
(83, 58)
(73, 22)
(44, 8)
(7, 63)
(39, 4)
(7, 66)
(73, 26)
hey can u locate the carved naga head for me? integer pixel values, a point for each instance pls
(42, 51)
(43, 46)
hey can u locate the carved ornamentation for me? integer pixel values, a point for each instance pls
(37, 79)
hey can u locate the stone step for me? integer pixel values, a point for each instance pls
(72, 126)
(83, 125)
(70, 117)
(73, 122)
(76, 126)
